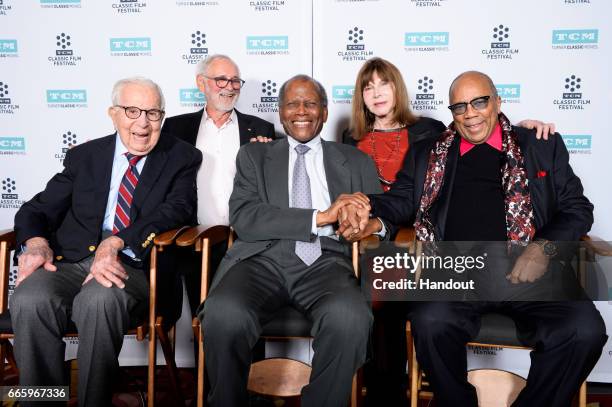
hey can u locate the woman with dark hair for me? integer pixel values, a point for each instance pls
(382, 124)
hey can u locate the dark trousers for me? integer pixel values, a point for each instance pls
(249, 295)
(567, 338)
(41, 308)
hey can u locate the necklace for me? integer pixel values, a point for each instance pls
(396, 146)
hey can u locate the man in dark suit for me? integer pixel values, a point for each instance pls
(86, 239)
(218, 131)
(484, 181)
(284, 205)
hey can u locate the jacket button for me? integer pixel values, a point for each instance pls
(92, 248)
(58, 258)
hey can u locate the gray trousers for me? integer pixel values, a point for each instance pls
(249, 295)
(41, 308)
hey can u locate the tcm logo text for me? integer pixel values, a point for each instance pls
(278, 42)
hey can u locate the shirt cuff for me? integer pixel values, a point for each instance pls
(383, 230)
(313, 228)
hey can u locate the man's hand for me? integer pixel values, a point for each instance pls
(106, 267)
(542, 129)
(331, 214)
(260, 139)
(373, 225)
(36, 254)
(530, 266)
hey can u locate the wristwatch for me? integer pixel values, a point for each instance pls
(548, 247)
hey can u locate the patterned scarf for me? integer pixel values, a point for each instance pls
(519, 212)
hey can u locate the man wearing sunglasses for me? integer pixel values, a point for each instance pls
(85, 243)
(218, 130)
(485, 181)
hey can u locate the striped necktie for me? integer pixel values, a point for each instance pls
(126, 193)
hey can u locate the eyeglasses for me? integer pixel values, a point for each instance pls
(478, 103)
(134, 112)
(222, 81)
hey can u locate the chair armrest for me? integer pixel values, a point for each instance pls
(167, 238)
(405, 236)
(597, 246)
(8, 236)
(195, 235)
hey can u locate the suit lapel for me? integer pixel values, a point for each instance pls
(156, 160)
(244, 128)
(440, 208)
(337, 173)
(276, 174)
(192, 127)
(102, 170)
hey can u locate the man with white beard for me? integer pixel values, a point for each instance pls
(218, 130)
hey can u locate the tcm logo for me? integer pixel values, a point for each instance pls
(343, 92)
(66, 96)
(12, 144)
(69, 140)
(570, 37)
(500, 37)
(60, 1)
(573, 84)
(8, 187)
(355, 38)
(426, 39)
(63, 44)
(198, 40)
(577, 142)
(191, 96)
(269, 92)
(425, 88)
(8, 46)
(508, 91)
(271, 42)
(4, 92)
(137, 44)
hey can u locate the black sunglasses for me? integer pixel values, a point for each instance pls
(478, 103)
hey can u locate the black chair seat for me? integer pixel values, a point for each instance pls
(6, 328)
(498, 329)
(288, 322)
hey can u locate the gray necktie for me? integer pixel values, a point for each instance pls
(301, 198)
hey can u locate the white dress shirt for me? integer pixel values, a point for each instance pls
(319, 191)
(120, 166)
(215, 180)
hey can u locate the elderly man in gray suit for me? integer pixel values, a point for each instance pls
(286, 200)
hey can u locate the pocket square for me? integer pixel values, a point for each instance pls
(541, 174)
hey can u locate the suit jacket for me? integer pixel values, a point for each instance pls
(259, 205)
(561, 211)
(70, 210)
(424, 128)
(186, 127)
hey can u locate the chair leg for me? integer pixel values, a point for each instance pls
(152, 365)
(582, 395)
(356, 390)
(200, 401)
(414, 380)
(168, 352)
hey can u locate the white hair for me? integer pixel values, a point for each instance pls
(136, 80)
(202, 66)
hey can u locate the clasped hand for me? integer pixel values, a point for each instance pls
(352, 212)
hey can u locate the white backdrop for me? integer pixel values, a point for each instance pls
(59, 58)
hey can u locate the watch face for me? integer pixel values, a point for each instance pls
(550, 249)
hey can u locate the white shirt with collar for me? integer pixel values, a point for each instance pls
(319, 190)
(215, 180)
(120, 166)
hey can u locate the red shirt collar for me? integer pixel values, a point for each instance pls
(494, 140)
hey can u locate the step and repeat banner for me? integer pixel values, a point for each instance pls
(549, 59)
